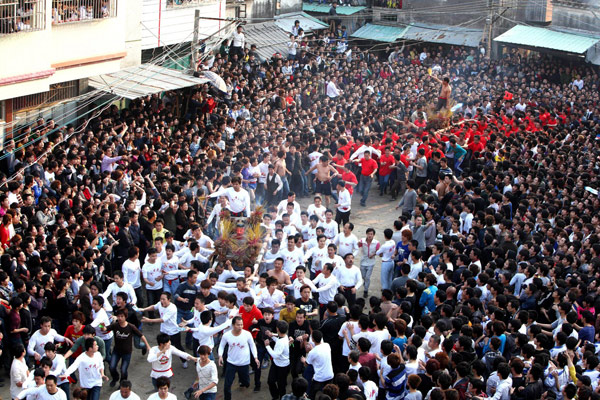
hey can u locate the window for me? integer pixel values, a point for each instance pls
(66, 11)
(22, 16)
(187, 3)
(389, 17)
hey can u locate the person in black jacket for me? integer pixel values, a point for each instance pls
(330, 328)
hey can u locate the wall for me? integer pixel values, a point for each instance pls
(575, 18)
(67, 51)
(167, 26)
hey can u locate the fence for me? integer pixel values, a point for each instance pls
(65, 11)
(22, 16)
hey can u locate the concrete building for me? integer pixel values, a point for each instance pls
(50, 47)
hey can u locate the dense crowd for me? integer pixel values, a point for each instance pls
(489, 275)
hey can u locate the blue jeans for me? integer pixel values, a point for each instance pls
(457, 164)
(208, 396)
(286, 188)
(137, 341)
(383, 183)
(185, 315)
(172, 288)
(260, 194)
(114, 361)
(94, 393)
(262, 354)
(364, 185)
(243, 374)
(66, 387)
(107, 344)
(387, 274)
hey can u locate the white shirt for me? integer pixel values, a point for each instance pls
(38, 341)
(90, 369)
(314, 160)
(326, 287)
(349, 277)
(368, 251)
(332, 90)
(331, 229)
(131, 273)
(346, 244)
(291, 259)
(206, 375)
(155, 396)
(117, 396)
(282, 208)
(169, 316)
(344, 200)
(318, 254)
(41, 393)
(204, 334)
(169, 265)
(370, 390)
(238, 353)
(387, 250)
(503, 389)
(18, 373)
(346, 327)
(318, 211)
(113, 289)
(266, 299)
(281, 351)
(320, 358)
(238, 201)
(59, 367)
(151, 272)
(239, 40)
(161, 364)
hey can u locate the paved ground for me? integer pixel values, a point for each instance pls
(379, 214)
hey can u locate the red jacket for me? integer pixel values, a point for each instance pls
(248, 317)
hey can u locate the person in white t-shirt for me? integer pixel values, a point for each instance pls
(132, 271)
(101, 320)
(124, 392)
(161, 356)
(167, 312)
(319, 356)
(153, 277)
(119, 285)
(18, 371)
(91, 369)
(317, 208)
(241, 345)
(162, 385)
(42, 336)
(49, 391)
(346, 241)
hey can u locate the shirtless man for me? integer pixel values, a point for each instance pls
(445, 92)
(283, 278)
(282, 171)
(325, 172)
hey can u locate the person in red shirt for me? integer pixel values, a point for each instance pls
(75, 331)
(348, 177)
(368, 169)
(476, 147)
(250, 313)
(385, 163)
(339, 161)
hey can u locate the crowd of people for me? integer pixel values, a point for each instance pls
(488, 269)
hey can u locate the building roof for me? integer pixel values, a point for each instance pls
(324, 8)
(456, 35)
(380, 33)
(307, 22)
(530, 36)
(134, 82)
(268, 38)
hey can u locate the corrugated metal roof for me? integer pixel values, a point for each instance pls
(307, 22)
(324, 8)
(381, 33)
(143, 80)
(268, 38)
(447, 34)
(548, 39)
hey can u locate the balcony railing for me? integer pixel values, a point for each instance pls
(22, 16)
(67, 11)
(187, 3)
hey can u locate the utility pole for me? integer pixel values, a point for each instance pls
(490, 23)
(195, 40)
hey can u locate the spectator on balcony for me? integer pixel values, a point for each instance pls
(238, 43)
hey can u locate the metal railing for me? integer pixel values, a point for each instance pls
(67, 11)
(187, 3)
(22, 16)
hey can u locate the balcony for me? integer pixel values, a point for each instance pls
(69, 11)
(22, 16)
(188, 3)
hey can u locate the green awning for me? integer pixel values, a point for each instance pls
(380, 33)
(530, 36)
(324, 8)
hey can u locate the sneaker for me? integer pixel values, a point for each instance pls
(113, 383)
(265, 364)
(184, 365)
(365, 295)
